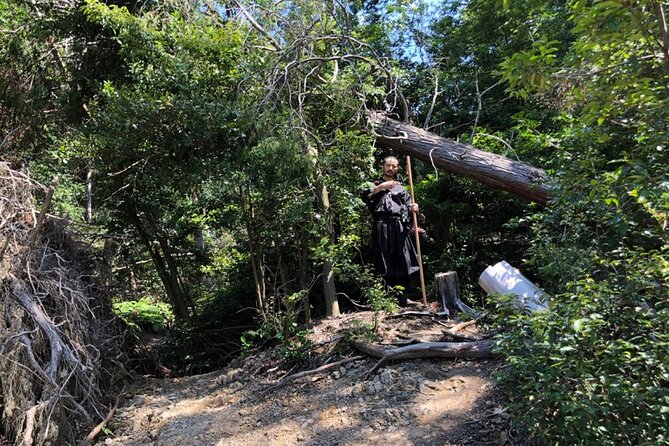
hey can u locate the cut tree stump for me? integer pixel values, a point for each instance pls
(494, 170)
(447, 286)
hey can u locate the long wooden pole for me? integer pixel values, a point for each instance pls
(416, 234)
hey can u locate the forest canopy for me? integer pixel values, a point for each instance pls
(211, 157)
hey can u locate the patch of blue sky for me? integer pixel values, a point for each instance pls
(410, 22)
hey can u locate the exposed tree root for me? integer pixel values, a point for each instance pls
(56, 330)
(98, 428)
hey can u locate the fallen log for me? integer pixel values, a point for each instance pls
(473, 350)
(497, 171)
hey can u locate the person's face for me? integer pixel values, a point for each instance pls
(390, 168)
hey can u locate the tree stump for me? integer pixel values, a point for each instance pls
(447, 286)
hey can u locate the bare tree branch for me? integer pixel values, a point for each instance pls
(257, 26)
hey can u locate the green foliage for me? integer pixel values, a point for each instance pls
(188, 349)
(594, 370)
(468, 228)
(359, 331)
(282, 330)
(145, 315)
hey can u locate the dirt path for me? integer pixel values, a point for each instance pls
(418, 402)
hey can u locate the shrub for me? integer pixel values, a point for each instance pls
(144, 315)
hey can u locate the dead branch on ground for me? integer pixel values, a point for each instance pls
(290, 378)
(473, 350)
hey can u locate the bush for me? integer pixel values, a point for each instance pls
(594, 369)
(144, 315)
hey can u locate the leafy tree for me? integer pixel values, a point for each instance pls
(157, 129)
(598, 364)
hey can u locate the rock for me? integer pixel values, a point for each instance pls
(431, 384)
(385, 377)
(378, 387)
(336, 374)
(136, 424)
(354, 373)
(342, 371)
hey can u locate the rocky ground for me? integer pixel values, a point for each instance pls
(413, 402)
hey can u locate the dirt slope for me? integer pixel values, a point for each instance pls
(417, 402)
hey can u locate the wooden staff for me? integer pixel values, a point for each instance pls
(416, 234)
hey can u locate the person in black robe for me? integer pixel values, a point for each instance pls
(391, 206)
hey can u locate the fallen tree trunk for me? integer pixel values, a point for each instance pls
(494, 170)
(473, 349)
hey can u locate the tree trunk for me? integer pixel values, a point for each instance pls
(329, 290)
(447, 286)
(199, 239)
(167, 275)
(497, 171)
(89, 191)
(304, 282)
(257, 266)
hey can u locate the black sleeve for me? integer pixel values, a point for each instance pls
(366, 193)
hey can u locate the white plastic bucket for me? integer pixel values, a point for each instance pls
(503, 278)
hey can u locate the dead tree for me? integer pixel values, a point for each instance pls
(516, 177)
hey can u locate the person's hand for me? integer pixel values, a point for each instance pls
(414, 208)
(386, 185)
